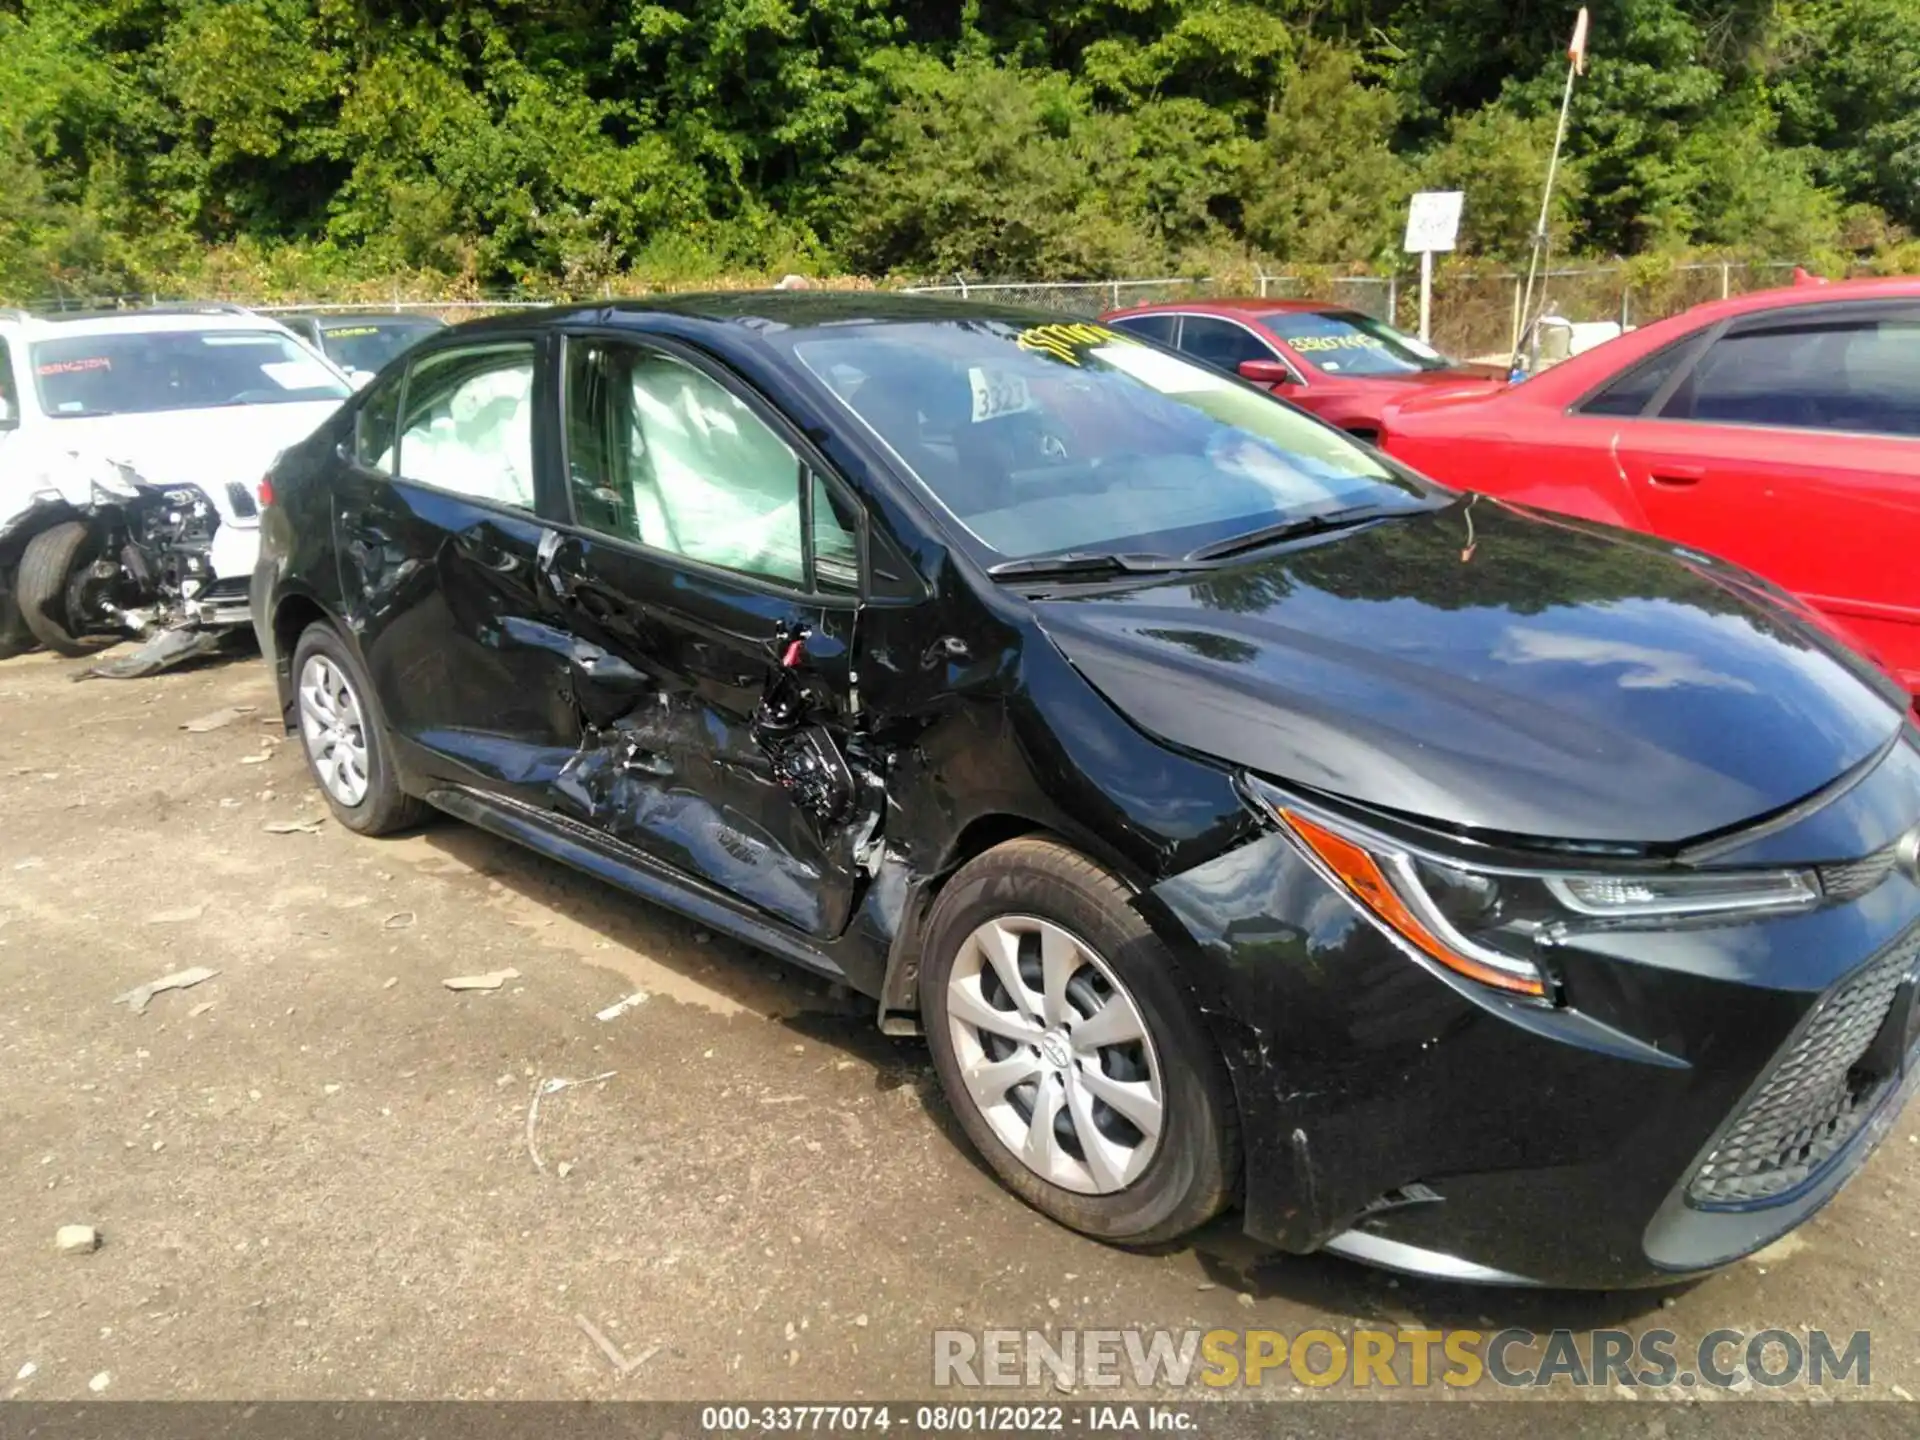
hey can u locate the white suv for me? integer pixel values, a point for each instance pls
(132, 444)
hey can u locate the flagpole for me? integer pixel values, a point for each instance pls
(1576, 62)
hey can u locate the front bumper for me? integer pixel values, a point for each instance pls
(1403, 1115)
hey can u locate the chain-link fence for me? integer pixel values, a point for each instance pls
(1476, 312)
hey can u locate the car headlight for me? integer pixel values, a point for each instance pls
(1630, 896)
(1479, 923)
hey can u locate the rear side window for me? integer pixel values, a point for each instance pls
(1221, 343)
(9, 397)
(1860, 375)
(1631, 393)
(375, 426)
(468, 423)
(1154, 327)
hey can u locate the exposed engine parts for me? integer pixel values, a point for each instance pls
(136, 562)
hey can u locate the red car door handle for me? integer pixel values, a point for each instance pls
(1677, 474)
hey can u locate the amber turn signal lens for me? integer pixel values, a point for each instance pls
(1361, 873)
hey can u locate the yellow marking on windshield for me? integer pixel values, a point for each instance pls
(1065, 341)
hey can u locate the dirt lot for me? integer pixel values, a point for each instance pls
(312, 1172)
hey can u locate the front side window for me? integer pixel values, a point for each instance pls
(1346, 342)
(1853, 375)
(468, 423)
(1056, 437)
(148, 371)
(662, 454)
(1221, 343)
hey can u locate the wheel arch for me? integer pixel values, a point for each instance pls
(293, 613)
(15, 538)
(900, 985)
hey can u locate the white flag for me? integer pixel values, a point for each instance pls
(1577, 51)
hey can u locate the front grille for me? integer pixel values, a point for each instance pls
(1815, 1100)
(1855, 878)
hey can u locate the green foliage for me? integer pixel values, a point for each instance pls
(176, 144)
(985, 167)
(1326, 185)
(1499, 158)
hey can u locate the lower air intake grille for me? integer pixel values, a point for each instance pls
(1813, 1102)
(1855, 878)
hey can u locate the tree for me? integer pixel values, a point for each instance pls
(993, 170)
(1325, 185)
(1498, 159)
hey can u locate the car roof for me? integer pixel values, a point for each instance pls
(335, 320)
(1242, 309)
(746, 311)
(147, 320)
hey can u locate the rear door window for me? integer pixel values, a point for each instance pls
(1221, 343)
(468, 423)
(1860, 374)
(1154, 327)
(376, 424)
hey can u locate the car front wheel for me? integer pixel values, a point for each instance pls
(57, 585)
(1069, 1050)
(345, 738)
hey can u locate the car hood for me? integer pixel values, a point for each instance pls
(1447, 399)
(207, 448)
(1485, 667)
(1483, 379)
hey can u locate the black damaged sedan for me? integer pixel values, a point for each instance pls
(1242, 819)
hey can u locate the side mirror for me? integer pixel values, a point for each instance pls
(1266, 372)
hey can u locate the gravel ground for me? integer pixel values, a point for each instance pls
(312, 1172)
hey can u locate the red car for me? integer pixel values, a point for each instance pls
(1342, 365)
(1780, 429)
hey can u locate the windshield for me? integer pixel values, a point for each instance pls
(1345, 342)
(142, 372)
(369, 345)
(1070, 437)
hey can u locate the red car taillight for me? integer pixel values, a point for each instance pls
(266, 491)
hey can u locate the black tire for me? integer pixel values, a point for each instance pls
(385, 807)
(46, 568)
(15, 637)
(1194, 1171)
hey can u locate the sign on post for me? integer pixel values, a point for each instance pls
(1433, 223)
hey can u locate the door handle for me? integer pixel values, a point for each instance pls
(1677, 475)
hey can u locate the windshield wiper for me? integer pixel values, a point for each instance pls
(1080, 564)
(1289, 530)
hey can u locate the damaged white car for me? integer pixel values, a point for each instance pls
(132, 446)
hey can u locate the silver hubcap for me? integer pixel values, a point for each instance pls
(335, 733)
(1055, 1055)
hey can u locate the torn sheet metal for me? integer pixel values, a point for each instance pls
(162, 652)
(773, 810)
